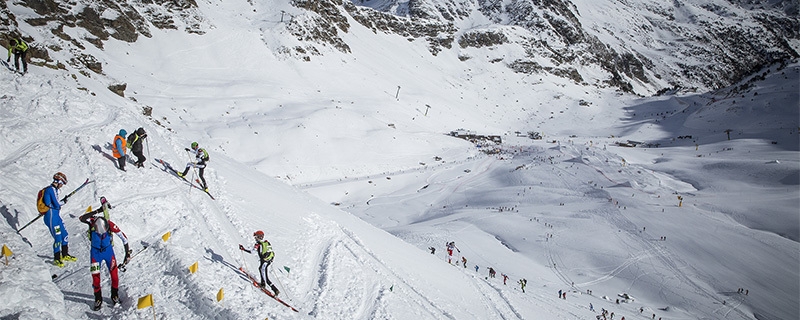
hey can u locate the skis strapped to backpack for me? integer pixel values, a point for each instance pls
(269, 293)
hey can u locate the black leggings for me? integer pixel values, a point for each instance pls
(21, 55)
(200, 173)
(140, 158)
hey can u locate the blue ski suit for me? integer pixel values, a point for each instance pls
(52, 219)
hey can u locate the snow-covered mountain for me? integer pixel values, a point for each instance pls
(328, 126)
(639, 47)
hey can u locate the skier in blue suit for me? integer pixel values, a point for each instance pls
(52, 219)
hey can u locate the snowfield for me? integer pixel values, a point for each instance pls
(346, 164)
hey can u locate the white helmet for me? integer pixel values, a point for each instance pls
(100, 225)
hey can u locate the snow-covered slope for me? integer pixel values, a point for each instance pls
(344, 162)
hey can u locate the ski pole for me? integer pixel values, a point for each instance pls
(62, 200)
(29, 223)
(191, 164)
(282, 286)
(146, 143)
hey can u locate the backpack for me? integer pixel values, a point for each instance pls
(131, 139)
(43, 208)
(205, 156)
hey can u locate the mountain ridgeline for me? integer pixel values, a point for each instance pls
(643, 47)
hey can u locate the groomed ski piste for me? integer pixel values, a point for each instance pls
(352, 186)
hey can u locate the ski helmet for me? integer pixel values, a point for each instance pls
(140, 131)
(194, 145)
(100, 225)
(259, 234)
(123, 133)
(60, 177)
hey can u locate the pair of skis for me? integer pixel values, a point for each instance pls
(264, 290)
(8, 66)
(169, 168)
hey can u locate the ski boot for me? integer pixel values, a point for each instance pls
(180, 174)
(98, 300)
(115, 295)
(274, 289)
(262, 284)
(57, 260)
(65, 256)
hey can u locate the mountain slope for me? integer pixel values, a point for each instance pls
(364, 130)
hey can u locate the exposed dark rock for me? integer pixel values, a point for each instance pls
(478, 39)
(118, 88)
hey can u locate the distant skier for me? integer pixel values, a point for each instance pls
(119, 148)
(52, 219)
(476, 268)
(102, 250)
(464, 261)
(265, 255)
(505, 278)
(20, 50)
(201, 157)
(491, 272)
(135, 143)
(450, 246)
(522, 284)
(432, 249)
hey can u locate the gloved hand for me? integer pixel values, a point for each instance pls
(241, 247)
(128, 253)
(187, 149)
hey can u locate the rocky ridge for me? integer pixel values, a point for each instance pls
(682, 45)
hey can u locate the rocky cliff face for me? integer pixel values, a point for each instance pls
(640, 46)
(102, 20)
(707, 44)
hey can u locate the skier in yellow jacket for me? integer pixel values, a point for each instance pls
(20, 49)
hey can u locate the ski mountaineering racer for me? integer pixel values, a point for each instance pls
(20, 49)
(265, 255)
(201, 157)
(100, 236)
(52, 219)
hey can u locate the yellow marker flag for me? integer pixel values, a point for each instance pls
(166, 236)
(89, 209)
(193, 268)
(146, 301)
(6, 251)
(220, 294)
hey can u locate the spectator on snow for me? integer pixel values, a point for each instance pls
(120, 147)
